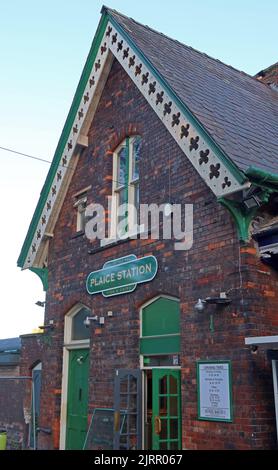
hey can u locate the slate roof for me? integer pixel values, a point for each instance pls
(10, 344)
(239, 112)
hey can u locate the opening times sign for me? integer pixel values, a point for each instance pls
(214, 391)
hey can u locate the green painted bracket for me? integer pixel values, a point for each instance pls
(241, 215)
(43, 275)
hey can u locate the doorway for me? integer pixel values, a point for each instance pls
(162, 409)
(77, 399)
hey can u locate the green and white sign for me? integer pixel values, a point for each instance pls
(121, 275)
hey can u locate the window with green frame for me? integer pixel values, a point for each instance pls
(125, 210)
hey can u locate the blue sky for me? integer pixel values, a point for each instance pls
(43, 50)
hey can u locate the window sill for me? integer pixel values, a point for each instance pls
(78, 234)
(133, 234)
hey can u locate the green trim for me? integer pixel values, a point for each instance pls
(63, 139)
(43, 275)
(198, 363)
(263, 178)
(236, 172)
(242, 217)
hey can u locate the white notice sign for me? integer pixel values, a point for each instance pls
(214, 391)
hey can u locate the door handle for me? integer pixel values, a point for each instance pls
(116, 421)
(80, 394)
(157, 425)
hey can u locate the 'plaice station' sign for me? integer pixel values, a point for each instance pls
(121, 275)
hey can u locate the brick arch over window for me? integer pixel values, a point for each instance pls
(118, 135)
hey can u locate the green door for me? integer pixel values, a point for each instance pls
(166, 416)
(77, 398)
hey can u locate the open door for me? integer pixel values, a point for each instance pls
(127, 410)
(166, 409)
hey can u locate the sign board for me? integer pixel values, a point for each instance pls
(214, 390)
(121, 275)
(101, 430)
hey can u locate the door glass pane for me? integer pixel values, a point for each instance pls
(132, 385)
(162, 405)
(163, 385)
(123, 386)
(173, 406)
(123, 402)
(132, 423)
(173, 428)
(174, 445)
(173, 385)
(163, 434)
(122, 167)
(132, 402)
(163, 445)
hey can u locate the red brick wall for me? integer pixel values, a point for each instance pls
(209, 267)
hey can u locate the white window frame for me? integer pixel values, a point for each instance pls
(133, 228)
(80, 206)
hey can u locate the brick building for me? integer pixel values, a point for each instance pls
(127, 342)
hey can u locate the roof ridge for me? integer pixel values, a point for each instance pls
(204, 54)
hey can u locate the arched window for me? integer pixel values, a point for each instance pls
(75, 329)
(160, 332)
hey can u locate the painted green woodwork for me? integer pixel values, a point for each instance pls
(43, 275)
(161, 327)
(242, 216)
(238, 174)
(166, 407)
(160, 345)
(63, 139)
(262, 177)
(77, 408)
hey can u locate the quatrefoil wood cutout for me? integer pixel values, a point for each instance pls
(48, 206)
(204, 157)
(120, 45)
(145, 78)
(114, 38)
(64, 160)
(75, 129)
(34, 248)
(131, 61)
(92, 81)
(176, 119)
(125, 53)
(97, 65)
(38, 234)
(70, 145)
(138, 70)
(214, 171)
(103, 49)
(152, 88)
(227, 182)
(159, 97)
(184, 131)
(109, 31)
(53, 190)
(80, 114)
(167, 108)
(43, 219)
(86, 97)
(194, 143)
(59, 175)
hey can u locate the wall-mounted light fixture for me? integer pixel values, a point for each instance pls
(221, 300)
(40, 303)
(50, 326)
(88, 320)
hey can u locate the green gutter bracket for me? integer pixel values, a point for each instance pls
(241, 215)
(43, 275)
